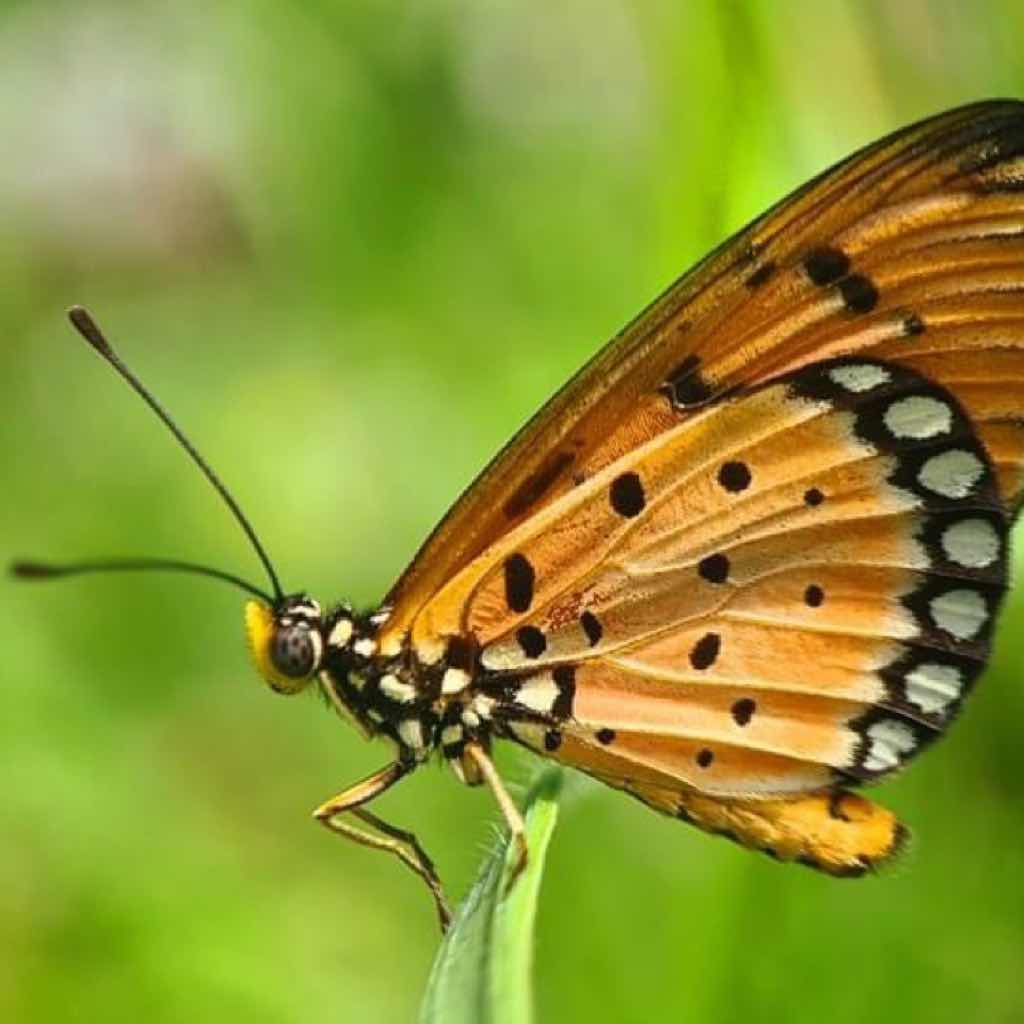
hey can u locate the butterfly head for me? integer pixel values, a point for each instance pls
(286, 641)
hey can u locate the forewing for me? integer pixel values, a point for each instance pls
(911, 252)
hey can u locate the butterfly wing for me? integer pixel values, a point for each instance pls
(910, 249)
(799, 598)
(754, 551)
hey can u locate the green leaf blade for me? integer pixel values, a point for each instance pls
(483, 971)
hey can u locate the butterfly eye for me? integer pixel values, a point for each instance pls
(293, 651)
(285, 647)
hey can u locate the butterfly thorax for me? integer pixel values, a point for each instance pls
(421, 708)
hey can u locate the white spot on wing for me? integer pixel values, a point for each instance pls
(933, 687)
(953, 473)
(918, 417)
(889, 741)
(961, 613)
(470, 718)
(859, 377)
(973, 543)
(538, 694)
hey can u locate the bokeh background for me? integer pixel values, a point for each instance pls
(353, 247)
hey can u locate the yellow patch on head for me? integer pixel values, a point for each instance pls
(259, 634)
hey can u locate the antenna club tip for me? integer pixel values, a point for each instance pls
(81, 319)
(23, 570)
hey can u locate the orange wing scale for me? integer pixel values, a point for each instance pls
(754, 551)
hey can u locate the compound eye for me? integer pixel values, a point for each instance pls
(292, 651)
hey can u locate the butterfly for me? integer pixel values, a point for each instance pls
(750, 557)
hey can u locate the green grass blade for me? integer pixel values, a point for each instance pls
(483, 971)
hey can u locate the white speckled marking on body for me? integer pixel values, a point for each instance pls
(961, 613)
(933, 687)
(341, 633)
(393, 687)
(365, 647)
(972, 543)
(918, 417)
(482, 705)
(410, 731)
(454, 680)
(451, 734)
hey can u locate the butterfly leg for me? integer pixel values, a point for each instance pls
(380, 835)
(513, 819)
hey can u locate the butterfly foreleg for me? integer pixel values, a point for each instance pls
(509, 811)
(333, 814)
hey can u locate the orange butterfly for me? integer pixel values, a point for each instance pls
(751, 555)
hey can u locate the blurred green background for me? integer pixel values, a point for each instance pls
(353, 246)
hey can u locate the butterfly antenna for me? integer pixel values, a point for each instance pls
(32, 570)
(87, 327)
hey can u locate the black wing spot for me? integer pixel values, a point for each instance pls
(813, 497)
(705, 651)
(814, 596)
(685, 386)
(565, 679)
(519, 579)
(743, 710)
(859, 293)
(734, 476)
(627, 495)
(461, 653)
(705, 757)
(532, 641)
(835, 806)
(605, 736)
(552, 740)
(826, 266)
(592, 627)
(714, 568)
(913, 324)
(761, 276)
